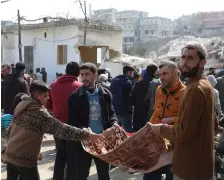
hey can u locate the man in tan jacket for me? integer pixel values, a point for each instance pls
(193, 157)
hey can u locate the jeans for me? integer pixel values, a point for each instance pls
(126, 122)
(60, 160)
(23, 173)
(157, 175)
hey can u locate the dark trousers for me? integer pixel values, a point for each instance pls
(60, 160)
(79, 163)
(14, 172)
(126, 122)
(157, 175)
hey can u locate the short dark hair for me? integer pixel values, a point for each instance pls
(92, 67)
(168, 63)
(18, 98)
(200, 55)
(151, 69)
(136, 75)
(38, 87)
(73, 69)
(37, 69)
(127, 68)
(101, 71)
(6, 66)
(20, 66)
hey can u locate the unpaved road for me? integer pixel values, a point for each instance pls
(46, 166)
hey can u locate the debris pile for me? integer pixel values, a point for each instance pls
(214, 46)
(132, 60)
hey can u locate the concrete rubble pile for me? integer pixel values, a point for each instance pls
(131, 60)
(214, 46)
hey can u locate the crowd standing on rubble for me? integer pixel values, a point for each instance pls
(181, 103)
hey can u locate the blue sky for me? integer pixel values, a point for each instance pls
(167, 8)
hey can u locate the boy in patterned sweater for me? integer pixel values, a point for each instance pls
(31, 121)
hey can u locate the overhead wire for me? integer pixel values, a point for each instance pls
(58, 40)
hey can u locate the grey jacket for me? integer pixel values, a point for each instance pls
(220, 87)
(150, 96)
(213, 82)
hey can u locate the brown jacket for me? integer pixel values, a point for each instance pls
(194, 137)
(30, 123)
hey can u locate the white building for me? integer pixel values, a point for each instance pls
(105, 15)
(155, 27)
(129, 21)
(53, 44)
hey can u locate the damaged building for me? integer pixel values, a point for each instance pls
(53, 44)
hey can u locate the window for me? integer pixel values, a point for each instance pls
(131, 39)
(62, 54)
(146, 32)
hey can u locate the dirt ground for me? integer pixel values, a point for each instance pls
(46, 166)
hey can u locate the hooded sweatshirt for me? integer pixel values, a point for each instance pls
(29, 124)
(61, 89)
(213, 82)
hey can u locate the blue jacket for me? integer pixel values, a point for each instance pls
(121, 89)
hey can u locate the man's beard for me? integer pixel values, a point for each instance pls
(192, 73)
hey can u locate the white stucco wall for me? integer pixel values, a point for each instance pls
(8, 43)
(45, 49)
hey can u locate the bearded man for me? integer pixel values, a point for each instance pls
(193, 137)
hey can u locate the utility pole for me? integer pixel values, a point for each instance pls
(19, 36)
(86, 20)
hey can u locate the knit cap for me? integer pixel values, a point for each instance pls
(196, 45)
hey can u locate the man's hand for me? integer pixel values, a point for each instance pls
(40, 156)
(116, 125)
(156, 128)
(168, 120)
(96, 138)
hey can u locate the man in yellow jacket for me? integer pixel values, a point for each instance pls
(166, 108)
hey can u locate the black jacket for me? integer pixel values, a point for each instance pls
(140, 107)
(78, 116)
(78, 108)
(121, 89)
(11, 86)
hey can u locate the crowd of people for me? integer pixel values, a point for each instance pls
(182, 111)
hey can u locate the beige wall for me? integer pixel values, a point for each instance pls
(105, 37)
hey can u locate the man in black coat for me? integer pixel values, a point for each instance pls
(90, 106)
(141, 88)
(12, 85)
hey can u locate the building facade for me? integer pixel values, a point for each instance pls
(105, 15)
(210, 23)
(53, 44)
(129, 20)
(155, 27)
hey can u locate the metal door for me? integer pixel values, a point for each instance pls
(28, 58)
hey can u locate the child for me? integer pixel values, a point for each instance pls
(29, 124)
(6, 121)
